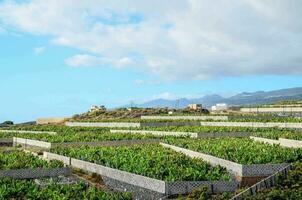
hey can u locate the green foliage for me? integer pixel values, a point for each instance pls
(148, 160)
(23, 190)
(20, 160)
(240, 150)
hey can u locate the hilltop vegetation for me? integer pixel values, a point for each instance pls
(133, 113)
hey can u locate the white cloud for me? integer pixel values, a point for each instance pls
(84, 60)
(39, 50)
(189, 39)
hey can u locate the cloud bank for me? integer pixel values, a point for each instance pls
(183, 39)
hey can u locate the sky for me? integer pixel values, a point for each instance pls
(58, 58)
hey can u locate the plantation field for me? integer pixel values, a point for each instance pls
(15, 159)
(84, 137)
(153, 161)
(26, 189)
(272, 133)
(240, 150)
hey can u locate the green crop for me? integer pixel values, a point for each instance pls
(23, 190)
(148, 160)
(240, 150)
(20, 160)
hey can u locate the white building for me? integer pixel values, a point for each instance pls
(97, 108)
(220, 107)
(195, 106)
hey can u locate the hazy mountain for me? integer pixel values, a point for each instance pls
(243, 98)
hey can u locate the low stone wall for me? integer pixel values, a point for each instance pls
(126, 181)
(269, 110)
(6, 141)
(265, 140)
(28, 142)
(33, 132)
(103, 124)
(290, 143)
(159, 133)
(165, 124)
(52, 156)
(282, 141)
(34, 173)
(223, 134)
(255, 170)
(253, 124)
(232, 167)
(264, 184)
(180, 117)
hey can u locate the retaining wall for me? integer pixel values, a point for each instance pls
(33, 132)
(281, 141)
(6, 141)
(103, 124)
(265, 140)
(205, 117)
(290, 143)
(165, 124)
(253, 124)
(268, 110)
(232, 167)
(34, 173)
(255, 170)
(29, 142)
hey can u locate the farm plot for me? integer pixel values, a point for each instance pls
(86, 137)
(243, 151)
(153, 161)
(25, 189)
(271, 133)
(15, 159)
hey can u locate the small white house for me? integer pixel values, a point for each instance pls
(97, 108)
(220, 107)
(195, 106)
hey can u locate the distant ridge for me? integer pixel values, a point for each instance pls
(244, 98)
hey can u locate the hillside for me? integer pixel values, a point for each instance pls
(244, 98)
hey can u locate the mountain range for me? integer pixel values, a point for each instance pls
(244, 98)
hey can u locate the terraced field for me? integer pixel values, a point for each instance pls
(24, 190)
(240, 150)
(153, 161)
(20, 160)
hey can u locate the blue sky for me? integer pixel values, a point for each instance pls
(57, 60)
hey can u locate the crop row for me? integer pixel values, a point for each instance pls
(20, 160)
(240, 150)
(153, 161)
(271, 133)
(84, 137)
(24, 189)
